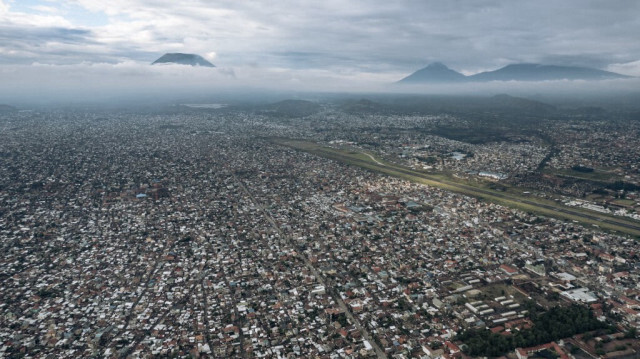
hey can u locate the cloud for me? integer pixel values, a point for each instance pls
(375, 37)
(629, 68)
(604, 89)
(140, 82)
(98, 82)
(211, 55)
(227, 71)
(46, 9)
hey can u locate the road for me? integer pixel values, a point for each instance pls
(374, 159)
(336, 296)
(561, 210)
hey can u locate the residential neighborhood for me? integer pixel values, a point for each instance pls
(193, 235)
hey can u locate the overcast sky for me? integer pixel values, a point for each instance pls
(364, 40)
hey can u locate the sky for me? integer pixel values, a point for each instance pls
(331, 43)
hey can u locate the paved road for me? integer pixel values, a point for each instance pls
(467, 188)
(375, 160)
(309, 265)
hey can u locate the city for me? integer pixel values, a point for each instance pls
(319, 179)
(190, 232)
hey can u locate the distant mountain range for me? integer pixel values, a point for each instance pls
(439, 73)
(183, 59)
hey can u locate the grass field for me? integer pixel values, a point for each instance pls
(509, 196)
(499, 290)
(624, 202)
(597, 176)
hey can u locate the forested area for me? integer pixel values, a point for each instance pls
(555, 324)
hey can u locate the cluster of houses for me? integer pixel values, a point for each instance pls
(141, 235)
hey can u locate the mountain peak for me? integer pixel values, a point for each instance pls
(434, 72)
(437, 65)
(183, 59)
(540, 72)
(439, 73)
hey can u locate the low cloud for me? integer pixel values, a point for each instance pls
(364, 35)
(98, 82)
(131, 81)
(629, 68)
(328, 45)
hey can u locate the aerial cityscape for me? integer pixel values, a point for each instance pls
(202, 231)
(159, 199)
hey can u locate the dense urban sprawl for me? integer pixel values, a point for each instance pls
(192, 234)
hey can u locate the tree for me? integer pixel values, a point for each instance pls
(631, 333)
(557, 323)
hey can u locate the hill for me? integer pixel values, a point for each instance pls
(506, 102)
(183, 59)
(511, 107)
(364, 106)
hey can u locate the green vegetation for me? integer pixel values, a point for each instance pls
(598, 176)
(557, 323)
(477, 135)
(48, 293)
(624, 202)
(621, 185)
(506, 196)
(500, 289)
(582, 169)
(342, 319)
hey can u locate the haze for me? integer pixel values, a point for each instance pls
(319, 179)
(87, 50)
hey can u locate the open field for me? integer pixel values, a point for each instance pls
(493, 291)
(509, 196)
(624, 202)
(596, 176)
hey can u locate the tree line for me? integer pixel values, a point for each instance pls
(555, 324)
